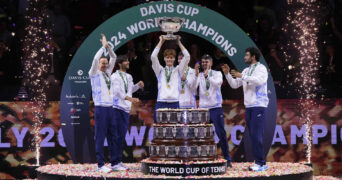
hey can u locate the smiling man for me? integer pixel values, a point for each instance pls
(254, 82)
(121, 92)
(209, 83)
(99, 73)
(169, 77)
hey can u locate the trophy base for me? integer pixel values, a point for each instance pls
(193, 168)
(170, 37)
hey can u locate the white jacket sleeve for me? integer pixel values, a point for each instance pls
(258, 78)
(197, 80)
(191, 81)
(216, 80)
(155, 61)
(112, 60)
(135, 87)
(95, 64)
(234, 83)
(185, 61)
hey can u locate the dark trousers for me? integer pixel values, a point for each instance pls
(159, 105)
(121, 118)
(255, 119)
(216, 117)
(105, 127)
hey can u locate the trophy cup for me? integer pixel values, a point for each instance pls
(170, 25)
(174, 130)
(179, 115)
(168, 115)
(177, 150)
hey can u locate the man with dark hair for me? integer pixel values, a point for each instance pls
(254, 82)
(121, 93)
(168, 76)
(254, 52)
(209, 83)
(100, 84)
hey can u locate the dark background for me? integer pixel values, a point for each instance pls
(72, 20)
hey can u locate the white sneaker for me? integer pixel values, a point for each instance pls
(122, 165)
(104, 169)
(254, 166)
(265, 167)
(259, 168)
(118, 168)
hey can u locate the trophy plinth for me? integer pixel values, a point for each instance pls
(170, 25)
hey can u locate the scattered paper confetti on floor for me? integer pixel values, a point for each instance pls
(238, 170)
(325, 178)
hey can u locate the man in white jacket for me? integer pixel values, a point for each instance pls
(169, 77)
(187, 96)
(121, 92)
(99, 73)
(254, 82)
(209, 83)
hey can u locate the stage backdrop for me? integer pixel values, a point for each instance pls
(132, 23)
(288, 145)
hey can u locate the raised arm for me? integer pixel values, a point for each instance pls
(196, 75)
(112, 55)
(191, 80)
(95, 64)
(154, 57)
(112, 60)
(234, 83)
(258, 78)
(186, 58)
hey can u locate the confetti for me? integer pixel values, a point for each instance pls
(238, 170)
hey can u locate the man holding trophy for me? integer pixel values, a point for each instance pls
(169, 77)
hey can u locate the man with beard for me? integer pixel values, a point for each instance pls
(99, 74)
(122, 90)
(254, 82)
(209, 83)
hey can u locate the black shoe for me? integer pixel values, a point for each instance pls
(229, 164)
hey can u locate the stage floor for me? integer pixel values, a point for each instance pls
(239, 171)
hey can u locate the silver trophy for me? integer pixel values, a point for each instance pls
(151, 150)
(167, 150)
(179, 116)
(170, 25)
(160, 117)
(177, 150)
(185, 131)
(198, 150)
(190, 118)
(157, 148)
(174, 130)
(168, 115)
(200, 117)
(196, 132)
(185, 117)
(164, 132)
